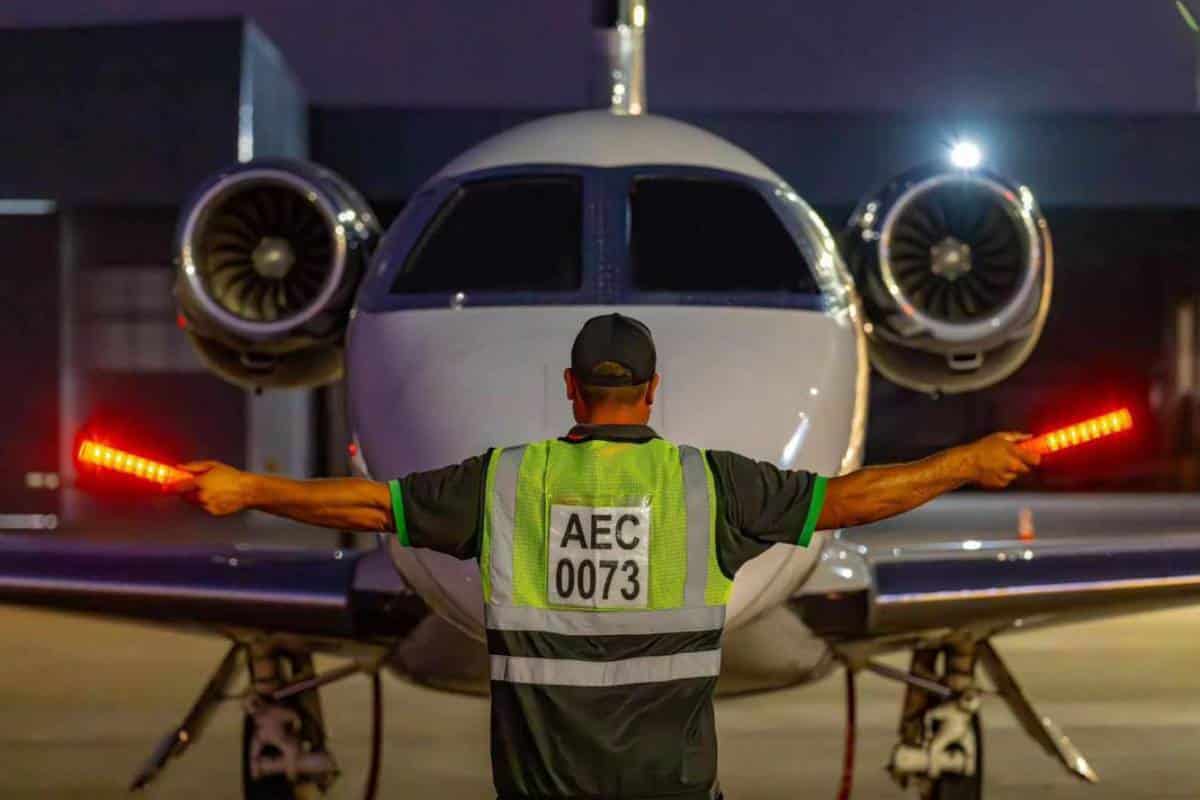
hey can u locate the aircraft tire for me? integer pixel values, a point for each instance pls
(274, 787)
(963, 787)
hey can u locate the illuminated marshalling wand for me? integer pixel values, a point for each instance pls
(1080, 433)
(110, 458)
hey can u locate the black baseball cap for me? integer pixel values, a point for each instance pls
(613, 337)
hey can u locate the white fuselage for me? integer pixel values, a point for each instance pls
(432, 387)
(432, 383)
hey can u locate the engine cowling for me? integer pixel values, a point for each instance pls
(955, 269)
(270, 254)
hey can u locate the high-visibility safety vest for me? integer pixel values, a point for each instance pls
(604, 605)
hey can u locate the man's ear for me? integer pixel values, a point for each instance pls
(652, 389)
(569, 380)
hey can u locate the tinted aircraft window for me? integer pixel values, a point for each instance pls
(512, 234)
(691, 235)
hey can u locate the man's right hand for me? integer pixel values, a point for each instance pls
(997, 460)
(874, 493)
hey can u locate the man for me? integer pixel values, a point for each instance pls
(607, 558)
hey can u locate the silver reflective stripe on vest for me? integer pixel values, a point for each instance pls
(503, 521)
(604, 623)
(568, 672)
(695, 483)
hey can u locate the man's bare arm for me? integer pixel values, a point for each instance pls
(876, 493)
(340, 503)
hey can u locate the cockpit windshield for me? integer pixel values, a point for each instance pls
(506, 234)
(710, 235)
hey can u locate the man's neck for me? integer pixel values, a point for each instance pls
(616, 416)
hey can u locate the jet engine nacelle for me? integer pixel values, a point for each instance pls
(270, 254)
(955, 269)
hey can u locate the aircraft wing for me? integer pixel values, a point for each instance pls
(278, 606)
(307, 594)
(897, 591)
(957, 565)
(945, 601)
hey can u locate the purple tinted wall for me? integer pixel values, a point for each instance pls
(1078, 55)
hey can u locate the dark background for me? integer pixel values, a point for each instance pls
(1090, 103)
(770, 55)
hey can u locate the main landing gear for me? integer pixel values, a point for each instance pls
(284, 752)
(284, 755)
(940, 747)
(940, 751)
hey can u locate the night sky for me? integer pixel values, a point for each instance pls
(1079, 55)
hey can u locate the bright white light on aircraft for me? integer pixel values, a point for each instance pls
(965, 154)
(639, 16)
(972, 544)
(1026, 198)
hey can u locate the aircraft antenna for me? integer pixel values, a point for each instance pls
(1189, 18)
(620, 41)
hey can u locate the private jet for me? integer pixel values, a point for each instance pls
(449, 331)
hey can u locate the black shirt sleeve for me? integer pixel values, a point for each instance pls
(759, 505)
(442, 509)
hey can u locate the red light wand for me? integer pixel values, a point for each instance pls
(1080, 433)
(110, 458)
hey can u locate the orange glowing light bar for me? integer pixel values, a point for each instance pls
(1081, 432)
(105, 457)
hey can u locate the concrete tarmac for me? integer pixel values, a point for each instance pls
(83, 701)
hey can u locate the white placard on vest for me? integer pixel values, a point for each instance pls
(599, 557)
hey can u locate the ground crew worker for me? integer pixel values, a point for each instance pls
(607, 558)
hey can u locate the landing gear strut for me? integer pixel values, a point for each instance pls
(941, 739)
(283, 741)
(949, 763)
(284, 754)
(940, 751)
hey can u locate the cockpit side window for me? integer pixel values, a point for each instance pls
(501, 234)
(710, 235)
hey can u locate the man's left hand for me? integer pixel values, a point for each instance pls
(217, 488)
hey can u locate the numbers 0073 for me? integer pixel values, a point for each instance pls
(600, 580)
